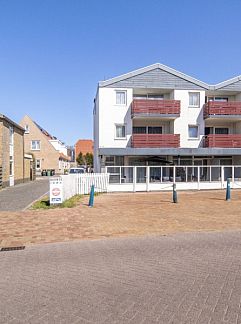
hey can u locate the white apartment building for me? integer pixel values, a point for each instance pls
(159, 116)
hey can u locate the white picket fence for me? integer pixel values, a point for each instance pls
(85, 181)
(79, 184)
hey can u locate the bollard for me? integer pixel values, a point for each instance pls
(228, 191)
(92, 193)
(174, 193)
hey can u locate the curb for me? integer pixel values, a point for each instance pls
(29, 205)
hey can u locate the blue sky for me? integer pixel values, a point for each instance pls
(53, 52)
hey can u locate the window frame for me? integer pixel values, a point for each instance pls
(149, 127)
(39, 164)
(226, 128)
(120, 125)
(35, 149)
(11, 135)
(125, 97)
(191, 137)
(135, 127)
(192, 93)
(26, 127)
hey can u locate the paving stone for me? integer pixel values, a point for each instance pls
(182, 278)
(20, 196)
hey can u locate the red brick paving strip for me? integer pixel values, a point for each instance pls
(127, 214)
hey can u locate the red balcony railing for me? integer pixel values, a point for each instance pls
(220, 108)
(155, 140)
(223, 140)
(154, 106)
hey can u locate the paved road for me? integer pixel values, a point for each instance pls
(184, 278)
(20, 196)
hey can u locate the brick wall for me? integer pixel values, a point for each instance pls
(5, 153)
(48, 155)
(84, 146)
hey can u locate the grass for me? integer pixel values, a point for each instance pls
(45, 204)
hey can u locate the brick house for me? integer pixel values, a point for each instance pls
(13, 167)
(49, 152)
(84, 146)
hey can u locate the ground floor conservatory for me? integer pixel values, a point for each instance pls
(159, 172)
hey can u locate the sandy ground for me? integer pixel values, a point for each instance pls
(126, 214)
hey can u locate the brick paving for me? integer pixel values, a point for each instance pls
(179, 278)
(20, 196)
(120, 215)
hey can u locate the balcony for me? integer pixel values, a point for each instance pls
(223, 109)
(223, 140)
(155, 140)
(155, 108)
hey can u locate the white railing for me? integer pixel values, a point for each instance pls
(148, 178)
(67, 186)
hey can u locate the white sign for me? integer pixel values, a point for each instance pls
(56, 191)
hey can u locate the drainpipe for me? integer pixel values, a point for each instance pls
(23, 160)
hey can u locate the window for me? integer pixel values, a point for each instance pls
(193, 131)
(109, 160)
(11, 131)
(147, 130)
(26, 129)
(11, 171)
(154, 130)
(148, 96)
(38, 164)
(11, 168)
(121, 97)
(139, 130)
(155, 96)
(120, 131)
(35, 145)
(225, 99)
(221, 130)
(194, 99)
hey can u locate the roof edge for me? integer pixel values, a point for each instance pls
(11, 122)
(149, 68)
(227, 82)
(172, 71)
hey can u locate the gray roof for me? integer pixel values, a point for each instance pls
(231, 84)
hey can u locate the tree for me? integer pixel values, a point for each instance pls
(89, 159)
(80, 159)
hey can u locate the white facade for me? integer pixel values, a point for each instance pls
(113, 110)
(59, 146)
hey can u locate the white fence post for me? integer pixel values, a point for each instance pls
(198, 178)
(222, 176)
(134, 179)
(147, 177)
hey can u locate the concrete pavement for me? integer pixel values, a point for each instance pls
(20, 196)
(182, 278)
